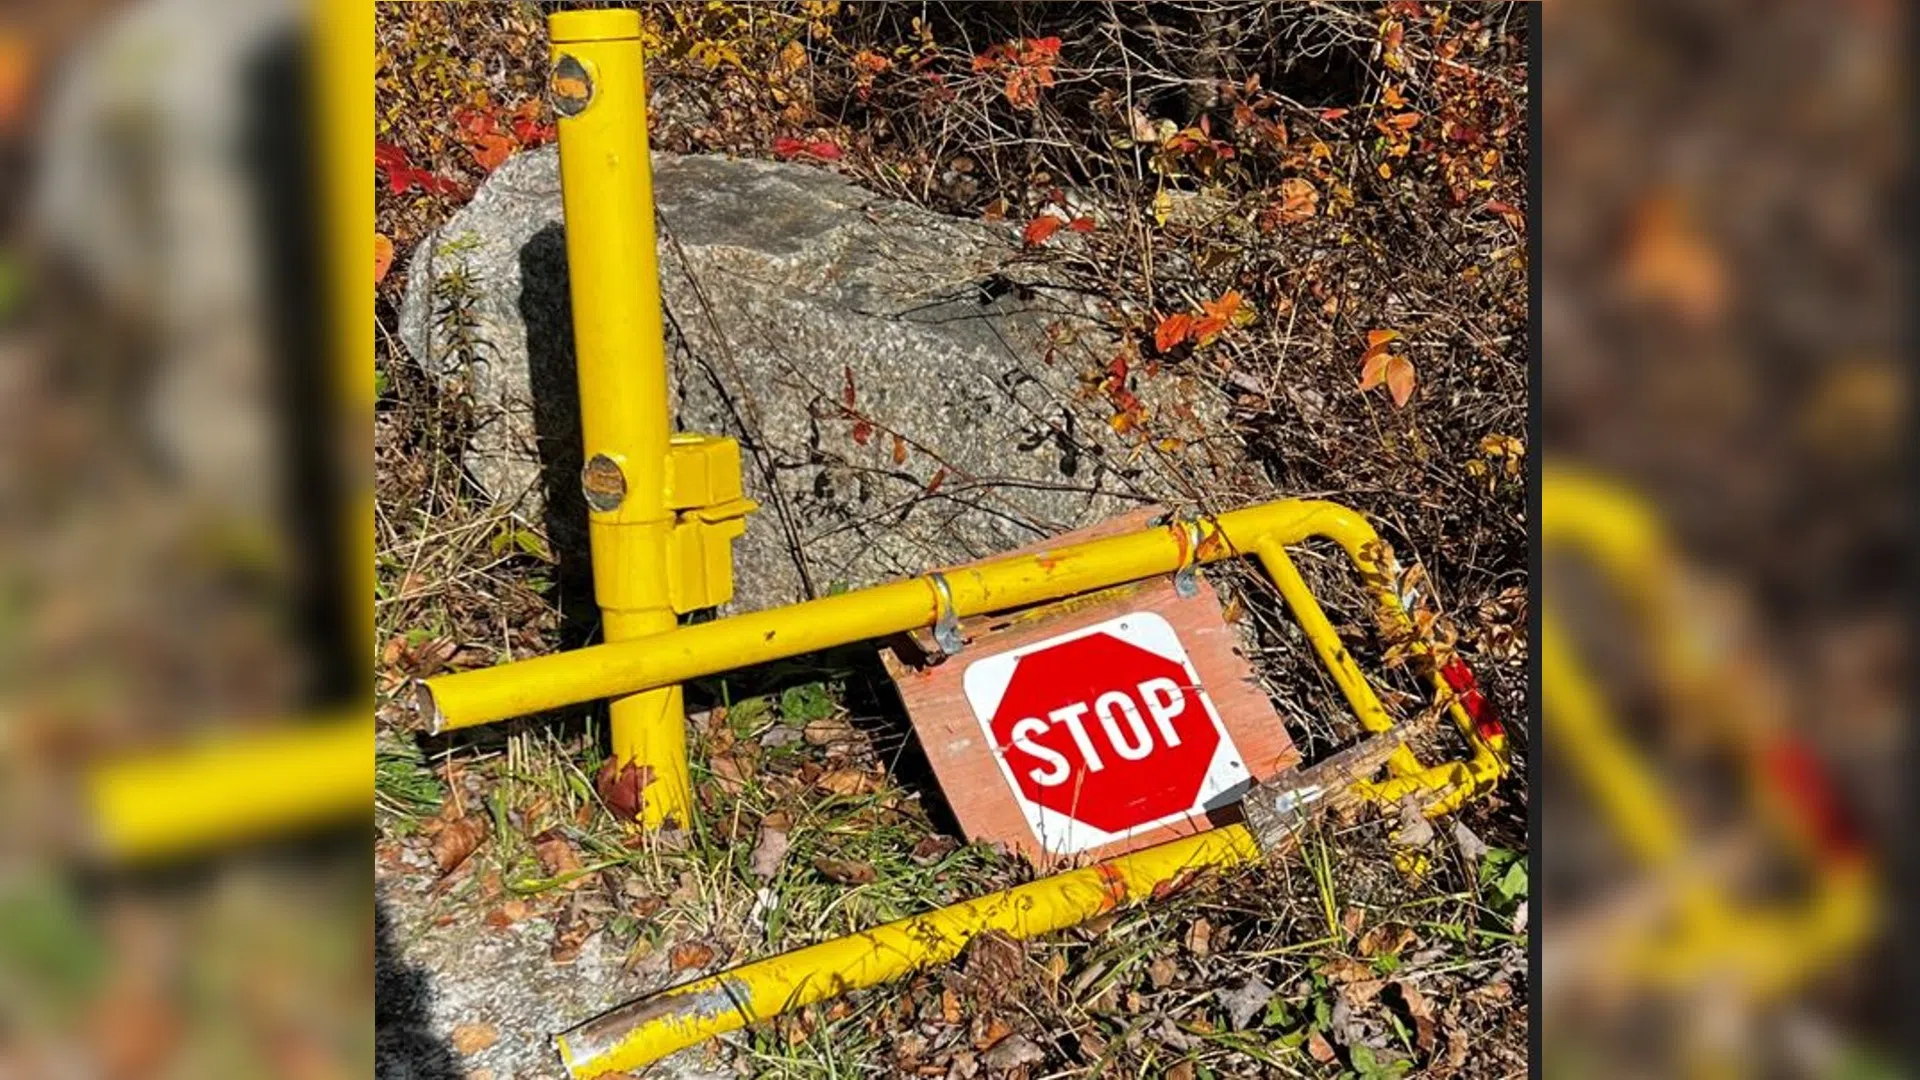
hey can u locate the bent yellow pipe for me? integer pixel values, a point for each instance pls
(646, 1030)
(470, 698)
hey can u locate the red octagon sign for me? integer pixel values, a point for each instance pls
(1104, 732)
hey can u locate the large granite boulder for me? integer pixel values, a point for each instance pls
(784, 284)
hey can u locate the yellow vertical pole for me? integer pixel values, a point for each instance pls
(599, 90)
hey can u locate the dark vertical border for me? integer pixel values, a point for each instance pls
(1536, 449)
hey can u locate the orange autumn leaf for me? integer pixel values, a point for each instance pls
(899, 450)
(1172, 330)
(1400, 380)
(1081, 224)
(1379, 366)
(1217, 315)
(939, 477)
(1299, 199)
(1040, 228)
(382, 257)
(1404, 121)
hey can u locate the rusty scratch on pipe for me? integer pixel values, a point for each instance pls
(1115, 884)
(690, 1005)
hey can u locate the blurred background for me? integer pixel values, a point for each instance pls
(179, 463)
(1723, 411)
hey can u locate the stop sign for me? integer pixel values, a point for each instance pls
(1104, 732)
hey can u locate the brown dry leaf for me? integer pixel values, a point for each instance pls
(931, 849)
(730, 772)
(844, 871)
(1422, 1012)
(1318, 1047)
(1299, 200)
(828, 731)
(1014, 1052)
(1200, 937)
(1162, 971)
(1351, 919)
(1386, 938)
(570, 933)
(456, 841)
(473, 1038)
(950, 1010)
(507, 914)
(623, 789)
(1181, 1071)
(1360, 993)
(557, 856)
(994, 1030)
(689, 956)
(769, 851)
(849, 782)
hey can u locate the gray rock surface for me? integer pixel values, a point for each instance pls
(780, 281)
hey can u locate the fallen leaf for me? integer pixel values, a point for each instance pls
(769, 851)
(1404, 121)
(849, 781)
(1351, 919)
(623, 788)
(899, 450)
(939, 477)
(1162, 971)
(1243, 1004)
(1200, 937)
(570, 933)
(1318, 1047)
(1172, 330)
(950, 1010)
(730, 772)
(689, 956)
(507, 914)
(1422, 1013)
(1082, 224)
(1013, 1052)
(1180, 1070)
(824, 150)
(1039, 229)
(862, 432)
(557, 857)
(844, 871)
(456, 841)
(382, 257)
(1415, 830)
(932, 849)
(1400, 380)
(1669, 260)
(1299, 200)
(1386, 938)
(473, 1038)
(1472, 848)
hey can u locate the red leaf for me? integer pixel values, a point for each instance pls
(862, 432)
(785, 147)
(847, 396)
(491, 150)
(1330, 115)
(823, 150)
(623, 789)
(1081, 224)
(1172, 330)
(1040, 228)
(939, 477)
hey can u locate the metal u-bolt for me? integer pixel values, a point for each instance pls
(598, 88)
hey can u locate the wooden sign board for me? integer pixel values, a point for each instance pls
(1096, 725)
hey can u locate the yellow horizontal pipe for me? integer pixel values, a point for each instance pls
(231, 789)
(558, 680)
(650, 1028)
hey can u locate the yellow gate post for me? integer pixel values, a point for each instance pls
(662, 508)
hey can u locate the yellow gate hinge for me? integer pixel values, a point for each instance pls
(704, 490)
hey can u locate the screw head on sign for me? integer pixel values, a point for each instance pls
(603, 483)
(569, 86)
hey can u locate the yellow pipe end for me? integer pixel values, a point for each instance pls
(604, 24)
